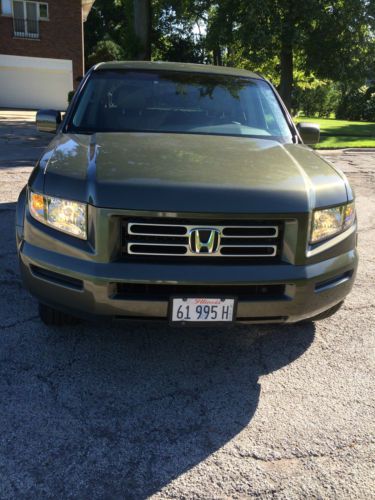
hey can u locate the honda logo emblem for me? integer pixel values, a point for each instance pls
(204, 240)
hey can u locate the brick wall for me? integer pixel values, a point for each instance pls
(60, 37)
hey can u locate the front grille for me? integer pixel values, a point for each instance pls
(176, 238)
(144, 291)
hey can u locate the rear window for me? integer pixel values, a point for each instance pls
(178, 102)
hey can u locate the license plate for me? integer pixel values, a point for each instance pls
(202, 310)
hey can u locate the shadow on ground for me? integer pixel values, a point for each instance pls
(119, 411)
(20, 143)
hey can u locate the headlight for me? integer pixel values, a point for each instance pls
(67, 216)
(331, 221)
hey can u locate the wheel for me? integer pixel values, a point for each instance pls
(53, 317)
(327, 314)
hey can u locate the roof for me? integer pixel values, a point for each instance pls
(86, 7)
(172, 66)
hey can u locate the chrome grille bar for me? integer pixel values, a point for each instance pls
(170, 239)
(186, 228)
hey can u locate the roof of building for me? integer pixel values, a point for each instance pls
(86, 7)
(172, 66)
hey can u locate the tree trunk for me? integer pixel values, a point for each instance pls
(286, 78)
(142, 28)
(218, 59)
(286, 55)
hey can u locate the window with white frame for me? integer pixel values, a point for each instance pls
(26, 17)
(38, 10)
(43, 11)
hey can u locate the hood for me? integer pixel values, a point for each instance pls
(189, 173)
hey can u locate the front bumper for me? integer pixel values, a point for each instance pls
(86, 288)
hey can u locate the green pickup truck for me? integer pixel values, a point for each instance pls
(184, 193)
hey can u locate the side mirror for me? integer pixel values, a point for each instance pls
(48, 120)
(309, 132)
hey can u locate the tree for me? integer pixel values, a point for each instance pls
(105, 50)
(175, 30)
(111, 24)
(332, 38)
(142, 27)
(324, 39)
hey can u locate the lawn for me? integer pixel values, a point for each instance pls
(343, 134)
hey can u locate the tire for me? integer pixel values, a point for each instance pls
(53, 317)
(327, 314)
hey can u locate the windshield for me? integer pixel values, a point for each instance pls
(178, 102)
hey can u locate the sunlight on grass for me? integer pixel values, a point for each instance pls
(343, 134)
(342, 141)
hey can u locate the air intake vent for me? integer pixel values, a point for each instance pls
(139, 291)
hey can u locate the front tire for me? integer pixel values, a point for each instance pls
(52, 317)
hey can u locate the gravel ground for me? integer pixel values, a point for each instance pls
(133, 411)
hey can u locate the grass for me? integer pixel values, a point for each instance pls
(337, 134)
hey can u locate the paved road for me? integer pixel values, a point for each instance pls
(130, 411)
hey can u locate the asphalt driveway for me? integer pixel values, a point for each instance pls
(131, 411)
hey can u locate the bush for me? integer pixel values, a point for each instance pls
(358, 105)
(70, 96)
(321, 101)
(105, 50)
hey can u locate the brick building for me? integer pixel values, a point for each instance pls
(41, 51)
